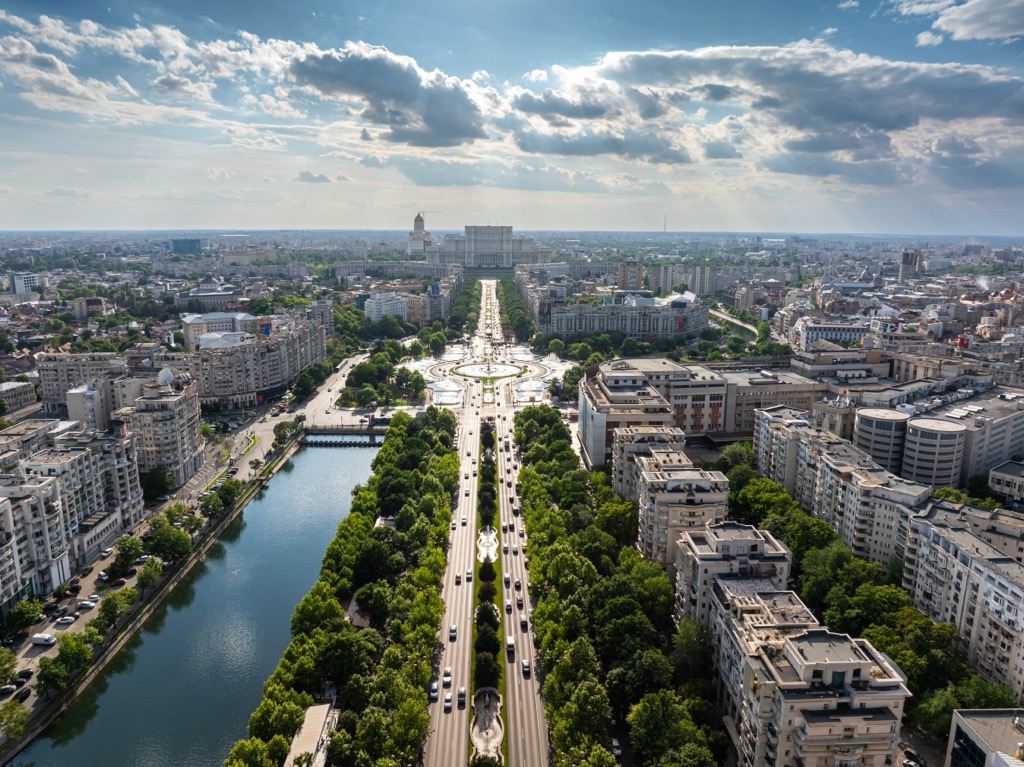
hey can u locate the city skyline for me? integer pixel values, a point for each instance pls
(899, 116)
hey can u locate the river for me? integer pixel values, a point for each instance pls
(180, 694)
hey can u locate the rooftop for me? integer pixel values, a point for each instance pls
(997, 727)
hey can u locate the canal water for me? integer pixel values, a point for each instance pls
(180, 694)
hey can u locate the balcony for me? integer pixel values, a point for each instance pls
(839, 738)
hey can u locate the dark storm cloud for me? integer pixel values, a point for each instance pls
(550, 104)
(823, 166)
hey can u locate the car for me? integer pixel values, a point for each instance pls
(504, 527)
(912, 755)
(446, 677)
(461, 696)
(616, 748)
(468, 453)
(432, 694)
(93, 598)
(467, 492)
(519, 602)
(162, 498)
(66, 620)
(447, 702)
(85, 605)
(504, 548)
(469, 576)
(119, 582)
(464, 517)
(7, 689)
(519, 585)
(19, 682)
(104, 575)
(506, 579)
(453, 632)
(26, 673)
(522, 534)
(454, 524)
(143, 559)
(515, 549)
(106, 552)
(522, 621)
(467, 475)
(458, 579)
(508, 606)
(526, 668)
(23, 694)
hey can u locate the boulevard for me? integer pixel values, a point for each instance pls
(522, 710)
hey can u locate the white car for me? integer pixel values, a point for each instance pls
(106, 552)
(67, 620)
(86, 605)
(446, 677)
(93, 598)
(616, 748)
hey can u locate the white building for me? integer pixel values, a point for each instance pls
(487, 246)
(379, 304)
(17, 394)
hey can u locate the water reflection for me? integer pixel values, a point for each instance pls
(181, 693)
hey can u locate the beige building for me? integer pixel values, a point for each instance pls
(193, 326)
(165, 420)
(17, 394)
(675, 497)
(630, 275)
(1007, 479)
(632, 442)
(59, 373)
(725, 548)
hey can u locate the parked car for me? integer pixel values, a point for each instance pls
(25, 673)
(67, 620)
(106, 552)
(7, 689)
(23, 694)
(86, 605)
(119, 582)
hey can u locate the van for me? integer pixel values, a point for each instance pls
(510, 644)
(45, 639)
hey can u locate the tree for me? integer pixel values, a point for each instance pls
(230, 491)
(487, 669)
(8, 662)
(659, 723)
(156, 482)
(255, 464)
(690, 755)
(211, 506)
(127, 549)
(74, 652)
(51, 675)
(149, 574)
(192, 524)
(27, 612)
(13, 716)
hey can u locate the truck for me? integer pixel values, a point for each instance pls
(510, 645)
(44, 639)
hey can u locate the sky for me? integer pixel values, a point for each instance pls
(884, 116)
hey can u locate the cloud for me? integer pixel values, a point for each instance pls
(550, 104)
(364, 135)
(218, 174)
(637, 146)
(308, 177)
(341, 177)
(182, 86)
(66, 191)
(846, 5)
(720, 150)
(970, 19)
(927, 38)
(428, 109)
(536, 76)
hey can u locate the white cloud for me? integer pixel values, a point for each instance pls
(309, 177)
(66, 191)
(217, 174)
(969, 19)
(536, 76)
(927, 38)
(848, 4)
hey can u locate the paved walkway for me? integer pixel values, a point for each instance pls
(486, 728)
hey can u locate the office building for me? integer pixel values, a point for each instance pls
(882, 434)
(379, 304)
(911, 265)
(934, 452)
(991, 737)
(28, 282)
(196, 326)
(1007, 479)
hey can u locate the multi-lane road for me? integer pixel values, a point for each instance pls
(522, 711)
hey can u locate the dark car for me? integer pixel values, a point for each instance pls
(22, 694)
(25, 673)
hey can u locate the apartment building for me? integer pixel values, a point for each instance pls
(632, 442)
(636, 316)
(724, 548)
(165, 420)
(17, 394)
(58, 373)
(821, 699)
(674, 497)
(34, 541)
(630, 275)
(835, 481)
(964, 567)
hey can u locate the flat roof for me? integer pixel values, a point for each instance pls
(1010, 468)
(995, 727)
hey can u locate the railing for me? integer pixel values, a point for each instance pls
(868, 737)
